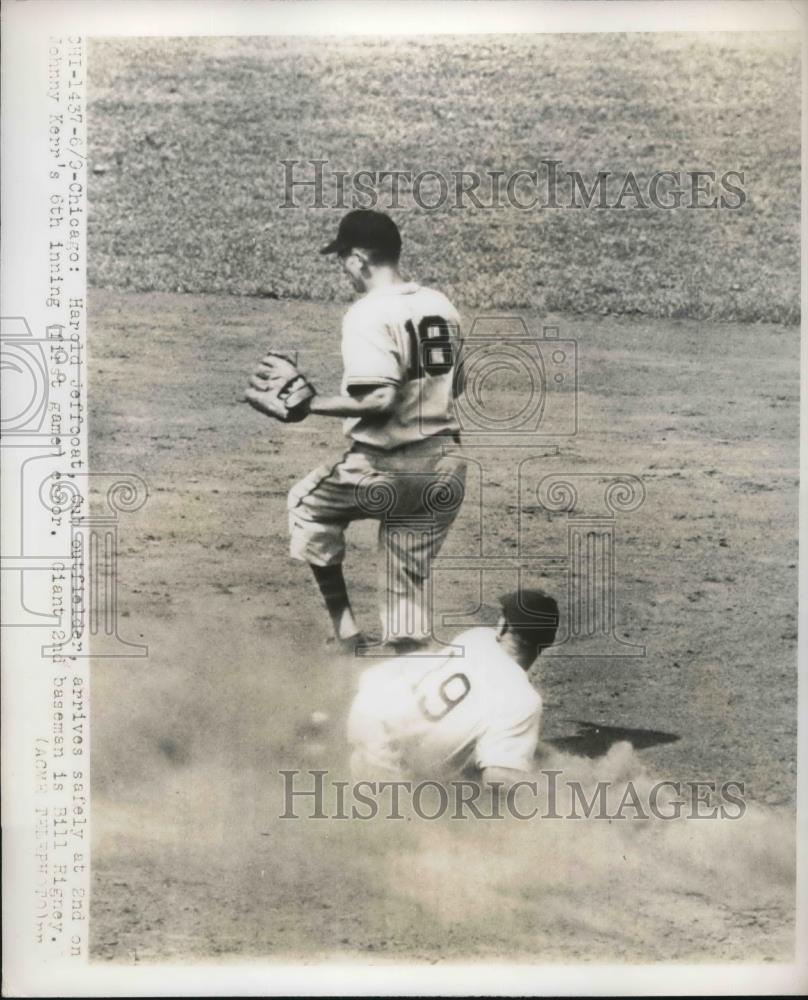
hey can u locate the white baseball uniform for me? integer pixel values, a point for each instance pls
(395, 469)
(407, 336)
(441, 717)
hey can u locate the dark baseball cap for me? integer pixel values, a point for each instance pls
(533, 614)
(369, 230)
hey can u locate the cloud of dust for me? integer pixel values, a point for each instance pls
(621, 886)
(190, 760)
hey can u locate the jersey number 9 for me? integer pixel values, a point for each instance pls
(434, 705)
(431, 350)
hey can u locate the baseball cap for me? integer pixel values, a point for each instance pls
(367, 229)
(533, 614)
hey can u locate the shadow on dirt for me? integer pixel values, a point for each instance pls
(593, 740)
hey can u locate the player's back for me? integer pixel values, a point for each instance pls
(440, 716)
(408, 336)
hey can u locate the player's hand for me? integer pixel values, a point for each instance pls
(259, 379)
(266, 369)
(261, 400)
(277, 389)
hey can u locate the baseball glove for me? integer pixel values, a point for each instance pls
(278, 390)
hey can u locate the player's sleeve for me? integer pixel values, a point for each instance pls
(510, 742)
(369, 353)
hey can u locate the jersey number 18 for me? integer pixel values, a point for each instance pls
(431, 351)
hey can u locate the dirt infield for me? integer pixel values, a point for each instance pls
(190, 859)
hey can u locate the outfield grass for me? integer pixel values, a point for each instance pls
(186, 139)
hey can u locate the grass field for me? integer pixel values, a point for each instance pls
(187, 138)
(190, 859)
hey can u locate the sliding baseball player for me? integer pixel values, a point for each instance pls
(472, 714)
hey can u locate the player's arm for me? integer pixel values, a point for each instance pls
(505, 752)
(361, 401)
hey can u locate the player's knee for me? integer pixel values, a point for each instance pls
(315, 544)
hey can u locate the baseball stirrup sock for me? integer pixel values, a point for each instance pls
(332, 586)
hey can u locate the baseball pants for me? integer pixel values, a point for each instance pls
(414, 492)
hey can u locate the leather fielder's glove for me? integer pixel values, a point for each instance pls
(278, 390)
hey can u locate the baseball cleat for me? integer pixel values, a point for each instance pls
(400, 647)
(349, 646)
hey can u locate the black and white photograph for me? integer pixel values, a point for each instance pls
(405, 532)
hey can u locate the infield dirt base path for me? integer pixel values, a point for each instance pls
(190, 859)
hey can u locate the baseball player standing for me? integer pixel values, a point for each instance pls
(400, 345)
(471, 713)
